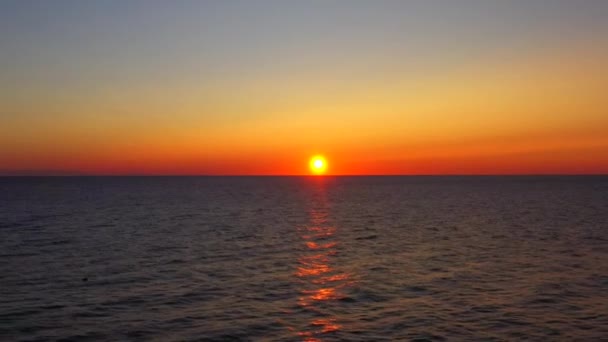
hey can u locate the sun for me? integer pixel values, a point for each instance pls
(318, 165)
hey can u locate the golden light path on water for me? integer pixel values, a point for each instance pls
(321, 281)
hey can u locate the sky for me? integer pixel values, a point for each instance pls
(258, 87)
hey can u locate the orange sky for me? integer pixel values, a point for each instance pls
(370, 87)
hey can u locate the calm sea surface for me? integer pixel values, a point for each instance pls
(304, 258)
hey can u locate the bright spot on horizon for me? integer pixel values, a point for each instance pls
(318, 165)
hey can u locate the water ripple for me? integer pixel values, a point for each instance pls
(301, 259)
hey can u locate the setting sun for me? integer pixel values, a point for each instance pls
(318, 165)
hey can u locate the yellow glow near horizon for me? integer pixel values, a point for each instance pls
(318, 165)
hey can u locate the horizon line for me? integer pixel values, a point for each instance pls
(312, 176)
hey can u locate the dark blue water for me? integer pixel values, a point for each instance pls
(304, 259)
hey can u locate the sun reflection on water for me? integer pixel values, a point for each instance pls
(321, 281)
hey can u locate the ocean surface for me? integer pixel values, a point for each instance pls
(304, 258)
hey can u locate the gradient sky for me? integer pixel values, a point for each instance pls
(257, 87)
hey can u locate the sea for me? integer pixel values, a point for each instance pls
(418, 258)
